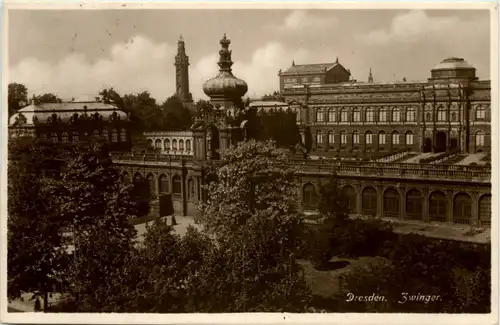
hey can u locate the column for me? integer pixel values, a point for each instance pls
(402, 203)
(380, 200)
(425, 205)
(449, 211)
(475, 210)
(359, 199)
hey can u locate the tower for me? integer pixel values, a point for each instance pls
(182, 73)
(370, 77)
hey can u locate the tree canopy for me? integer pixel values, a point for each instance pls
(17, 97)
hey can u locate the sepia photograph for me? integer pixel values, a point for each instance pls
(216, 159)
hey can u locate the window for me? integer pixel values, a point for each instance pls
(166, 144)
(479, 138)
(114, 136)
(54, 137)
(74, 137)
(355, 137)
(369, 201)
(414, 203)
(163, 184)
(64, 137)
(356, 115)
(96, 133)
(320, 115)
(331, 115)
(485, 211)
(343, 115)
(188, 145)
(343, 137)
(331, 138)
(319, 137)
(309, 196)
(158, 144)
(410, 114)
(462, 209)
(174, 145)
(391, 203)
(181, 145)
(438, 206)
(382, 115)
(151, 184)
(396, 114)
(105, 134)
(395, 137)
(176, 184)
(480, 112)
(441, 114)
(123, 136)
(370, 114)
(368, 137)
(381, 138)
(409, 138)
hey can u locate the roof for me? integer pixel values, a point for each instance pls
(311, 68)
(453, 64)
(267, 103)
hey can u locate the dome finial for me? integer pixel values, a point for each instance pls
(180, 38)
(225, 62)
(337, 60)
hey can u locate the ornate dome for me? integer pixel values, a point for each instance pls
(453, 64)
(225, 84)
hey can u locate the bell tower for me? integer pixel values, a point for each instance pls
(182, 74)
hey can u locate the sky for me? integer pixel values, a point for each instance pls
(74, 53)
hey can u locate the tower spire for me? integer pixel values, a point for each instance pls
(370, 77)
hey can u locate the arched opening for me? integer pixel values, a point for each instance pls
(462, 209)
(163, 184)
(115, 136)
(391, 203)
(440, 142)
(427, 145)
(438, 207)
(414, 203)
(176, 185)
(350, 194)
(158, 144)
(485, 211)
(151, 184)
(369, 201)
(137, 178)
(309, 196)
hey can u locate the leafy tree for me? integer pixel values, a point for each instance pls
(17, 97)
(36, 258)
(257, 229)
(175, 115)
(47, 98)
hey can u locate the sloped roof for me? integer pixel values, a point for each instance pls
(311, 68)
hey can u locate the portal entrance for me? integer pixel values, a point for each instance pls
(440, 142)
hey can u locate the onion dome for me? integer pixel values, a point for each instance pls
(225, 84)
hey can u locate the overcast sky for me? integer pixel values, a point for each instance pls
(74, 53)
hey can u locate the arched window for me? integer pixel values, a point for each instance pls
(64, 137)
(409, 138)
(331, 139)
(190, 189)
(479, 138)
(319, 137)
(369, 201)
(123, 135)
(114, 136)
(137, 178)
(309, 196)
(368, 137)
(410, 114)
(438, 206)
(320, 114)
(158, 144)
(344, 117)
(462, 209)
(480, 113)
(356, 115)
(441, 114)
(74, 137)
(343, 137)
(485, 211)
(370, 114)
(391, 203)
(163, 184)
(355, 137)
(188, 145)
(396, 114)
(54, 137)
(331, 115)
(382, 115)
(181, 145)
(381, 138)
(174, 145)
(414, 203)
(105, 134)
(151, 184)
(150, 143)
(395, 137)
(176, 185)
(350, 194)
(166, 144)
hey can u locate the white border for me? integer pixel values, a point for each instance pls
(260, 318)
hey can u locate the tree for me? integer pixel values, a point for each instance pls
(36, 255)
(17, 97)
(97, 208)
(252, 215)
(175, 115)
(47, 98)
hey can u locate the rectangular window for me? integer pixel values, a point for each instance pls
(381, 138)
(356, 116)
(343, 138)
(355, 138)
(395, 138)
(369, 138)
(383, 116)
